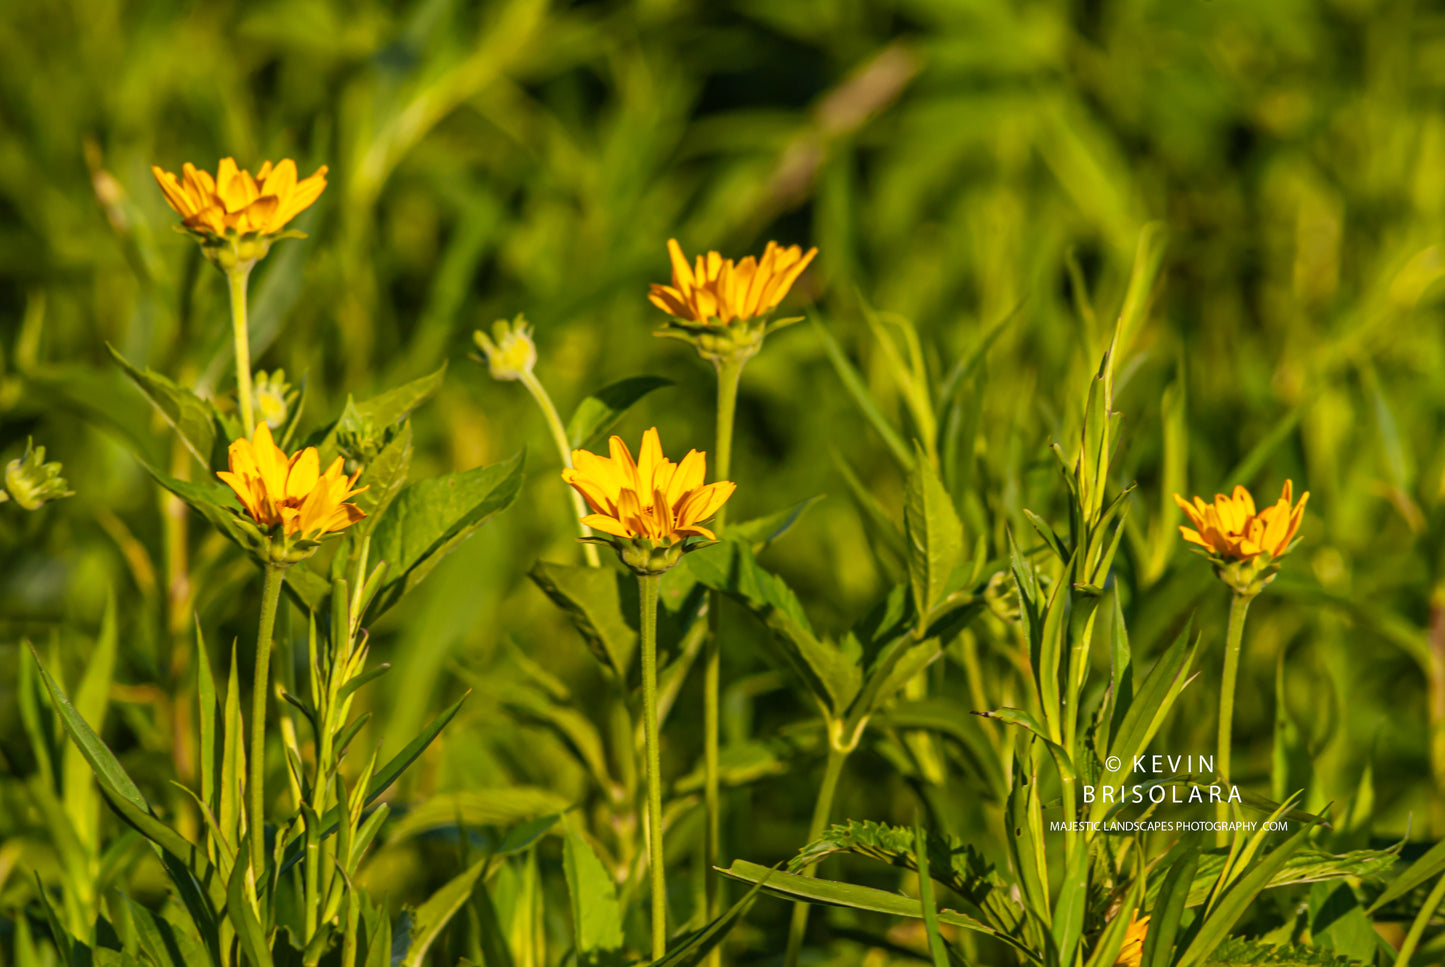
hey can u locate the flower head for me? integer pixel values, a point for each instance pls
(290, 493)
(510, 352)
(235, 211)
(721, 305)
(1244, 544)
(31, 481)
(1132, 953)
(649, 507)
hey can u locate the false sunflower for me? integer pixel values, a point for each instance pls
(236, 213)
(1244, 543)
(650, 508)
(722, 306)
(290, 497)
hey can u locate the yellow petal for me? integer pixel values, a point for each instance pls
(1243, 499)
(682, 276)
(649, 458)
(607, 525)
(304, 473)
(687, 478)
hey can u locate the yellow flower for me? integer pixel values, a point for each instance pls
(291, 492)
(236, 203)
(1132, 953)
(1231, 530)
(651, 504)
(720, 289)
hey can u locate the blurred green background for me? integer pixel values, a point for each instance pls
(957, 162)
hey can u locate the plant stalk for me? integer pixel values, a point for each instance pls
(647, 585)
(238, 277)
(1238, 607)
(260, 686)
(564, 450)
(822, 810)
(729, 375)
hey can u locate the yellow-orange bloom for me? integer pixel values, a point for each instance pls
(651, 498)
(718, 289)
(236, 201)
(1231, 529)
(1132, 953)
(291, 491)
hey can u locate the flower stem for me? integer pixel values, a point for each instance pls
(1238, 607)
(647, 585)
(1422, 920)
(564, 450)
(822, 809)
(260, 686)
(729, 374)
(238, 278)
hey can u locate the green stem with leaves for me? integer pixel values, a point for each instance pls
(822, 811)
(564, 450)
(238, 278)
(648, 585)
(261, 685)
(1238, 607)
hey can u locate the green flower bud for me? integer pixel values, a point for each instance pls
(510, 351)
(31, 481)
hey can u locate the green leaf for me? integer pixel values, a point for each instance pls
(853, 383)
(762, 531)
(192, 417)
(375, 416)
(1169, 907)
(1242, 952)
(596, 914)
(238, 910)
(952, 862)
(592, 598)
(429, 518)
(1068, 922)
(217, 503)
(810, 889)
(384, 476)
(92, 699)
(936, 946)
(600, 412)
(1139, 717)
(690, 950)
(832, 676)
(123, 794)
(1217, 924)
(432, 916)
(162, 941)
(523, 835)
(1306, 865)
(1338, 922)
(935, 536)
(1419, 872)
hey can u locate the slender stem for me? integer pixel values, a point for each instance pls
(648, 584)
(238, 278)
(822, 810)
(1237, 609)
(1422, 920)
(729, 374)
(260, 686)
(564, 450)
